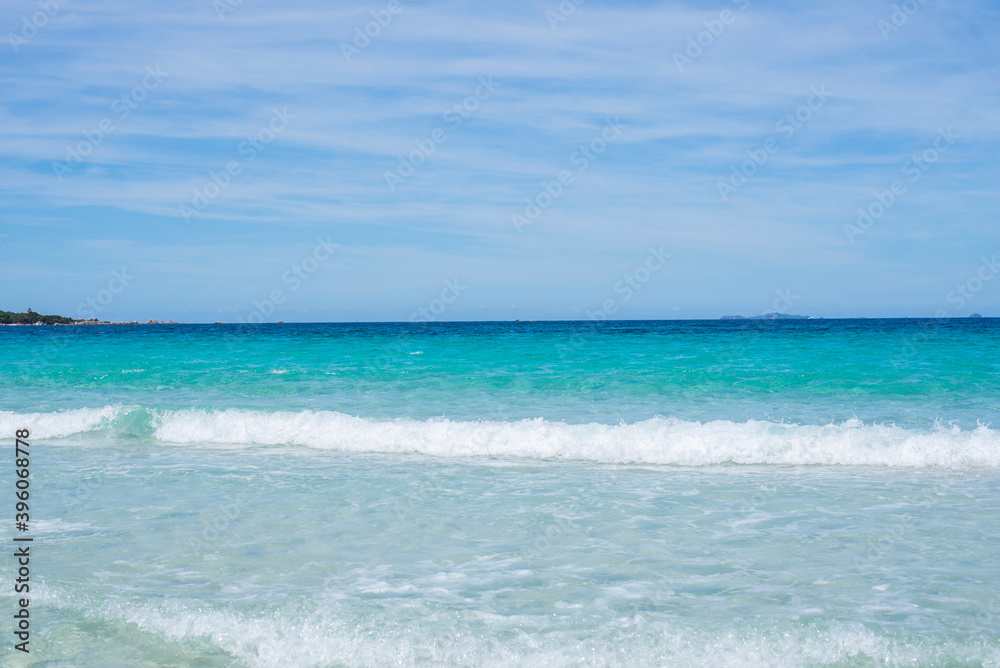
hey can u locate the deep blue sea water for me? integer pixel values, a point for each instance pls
(730, 493)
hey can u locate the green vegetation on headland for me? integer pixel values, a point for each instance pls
(7, 318)
(30, 318)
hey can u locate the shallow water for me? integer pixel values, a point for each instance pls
(733, 494)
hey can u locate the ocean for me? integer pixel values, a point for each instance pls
(668, 493)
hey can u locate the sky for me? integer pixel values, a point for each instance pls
(230, 160)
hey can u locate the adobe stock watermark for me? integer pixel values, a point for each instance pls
(964, 292)
(294, 277)
(876, 547)
(455, 116)
(95, 304)
(914, 168)
(450, 293)
(783, 301)
(216, 525)
(31, 25)
(900, 15)
(629, 284)
(632, 282)
(248, 150)
(763, 495)
(987, 615)
(699, 42)
(223, 7)
(559, 527)
(958, 297)
(787, 126)
(552, 190)
(562, 12)
(122, 107)
(363, 35)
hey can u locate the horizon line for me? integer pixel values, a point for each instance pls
(134, 323)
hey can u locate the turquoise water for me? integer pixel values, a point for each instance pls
(565, 494)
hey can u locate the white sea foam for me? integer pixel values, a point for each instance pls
(58, 526)
(61, 423)
(333, 633)
(269, 642)
(655, 441)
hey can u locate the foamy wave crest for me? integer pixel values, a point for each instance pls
(62, 423)
(654, 441)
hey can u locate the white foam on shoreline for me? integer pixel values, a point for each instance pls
(335, 632)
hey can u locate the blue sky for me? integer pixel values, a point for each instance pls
(215, 151)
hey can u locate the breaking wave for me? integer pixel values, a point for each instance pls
(655, 441)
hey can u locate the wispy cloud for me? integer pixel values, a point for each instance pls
(355, 119)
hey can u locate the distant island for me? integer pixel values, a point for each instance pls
(30, 318)
(767, 316)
